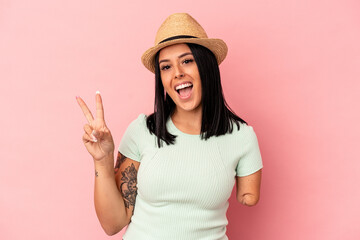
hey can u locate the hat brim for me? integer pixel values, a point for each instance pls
(217, 46)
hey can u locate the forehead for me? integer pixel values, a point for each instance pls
(173, 51)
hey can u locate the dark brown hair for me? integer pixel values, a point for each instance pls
(217, 116)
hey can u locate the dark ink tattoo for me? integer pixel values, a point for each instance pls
(120, 159)
(96, 173)
(128, 188)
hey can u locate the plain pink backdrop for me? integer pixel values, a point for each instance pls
(292, 72)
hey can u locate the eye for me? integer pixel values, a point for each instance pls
(186, 61)
(165, 67)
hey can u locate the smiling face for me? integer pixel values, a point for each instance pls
(180, 77)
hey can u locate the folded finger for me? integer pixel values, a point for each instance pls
(88, 138)
(90, 132)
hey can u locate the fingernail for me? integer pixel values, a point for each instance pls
(97, 92)
(93, 138)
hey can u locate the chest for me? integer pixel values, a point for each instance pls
(195, 173)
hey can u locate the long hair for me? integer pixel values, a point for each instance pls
(217, 116)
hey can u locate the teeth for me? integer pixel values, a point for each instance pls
(183, 86)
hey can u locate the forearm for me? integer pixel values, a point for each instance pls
(109, 204)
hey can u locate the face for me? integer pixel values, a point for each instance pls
(180, 77)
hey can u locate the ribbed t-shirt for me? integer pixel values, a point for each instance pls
(183, 189)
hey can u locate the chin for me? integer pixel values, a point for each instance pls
(188, 108)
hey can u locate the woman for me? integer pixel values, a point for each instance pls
(180, 189)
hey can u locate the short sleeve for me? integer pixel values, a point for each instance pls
(129, 144)
(250, 160)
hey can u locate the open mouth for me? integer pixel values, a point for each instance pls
(185, 92)
(185, 89)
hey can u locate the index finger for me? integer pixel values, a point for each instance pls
(99, 108)
(85, 110)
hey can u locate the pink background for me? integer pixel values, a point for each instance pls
(292, 72)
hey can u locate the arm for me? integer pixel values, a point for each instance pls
(109, 205)
(126, 180)
(248, 188)
(115, 193)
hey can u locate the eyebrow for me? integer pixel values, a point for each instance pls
(182, 55)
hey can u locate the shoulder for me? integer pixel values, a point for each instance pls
(141, 117)
(137, 124)
(243, 129)
(244, 132)
(139, 120)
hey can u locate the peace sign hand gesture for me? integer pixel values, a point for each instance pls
(97, 137)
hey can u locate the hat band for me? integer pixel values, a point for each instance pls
(177, 37)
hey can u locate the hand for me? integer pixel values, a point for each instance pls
(97, 137)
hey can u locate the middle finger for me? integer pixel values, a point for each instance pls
(99, 108)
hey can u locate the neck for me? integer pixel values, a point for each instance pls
(188, 121)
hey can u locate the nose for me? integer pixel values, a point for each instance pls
(179, 75)
(179, 72)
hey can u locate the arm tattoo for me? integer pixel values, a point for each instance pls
(120, 159)
(128, 188)
(96, 173)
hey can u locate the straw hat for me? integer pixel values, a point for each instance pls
(182, 28)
